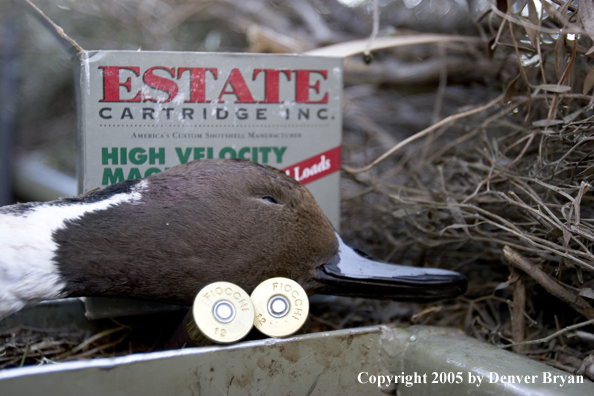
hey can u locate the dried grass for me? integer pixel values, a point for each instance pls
(497, 186)
(108, 338)
(502, 190)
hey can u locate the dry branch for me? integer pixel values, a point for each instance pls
(532, 270)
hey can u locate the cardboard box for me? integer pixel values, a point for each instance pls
(141, 112)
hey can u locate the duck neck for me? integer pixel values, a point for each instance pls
(28, 267)
(27, 271)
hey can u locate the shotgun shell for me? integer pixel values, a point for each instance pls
(222, 312)
(281, 307)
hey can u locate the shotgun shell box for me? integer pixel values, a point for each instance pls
(141, 112)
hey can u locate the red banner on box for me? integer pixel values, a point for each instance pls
(315, 167)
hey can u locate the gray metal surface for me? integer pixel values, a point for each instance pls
(484, 369)
(334, 363)
(323, 364)
(105, 307)
(65, 314)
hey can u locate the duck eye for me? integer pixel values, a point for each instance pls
(269, 199)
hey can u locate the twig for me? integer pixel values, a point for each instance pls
(571, 298)
(551, 336)
(424, 132)
(24, 355)
(96, 337)
(59, 30)
(98, 349)
(572, 28)
(375, 28)
(443, 83)
(518, 321)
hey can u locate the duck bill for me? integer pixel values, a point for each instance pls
(353, 273)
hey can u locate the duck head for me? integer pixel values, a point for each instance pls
(163, 238)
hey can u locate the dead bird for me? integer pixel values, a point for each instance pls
(164, 237)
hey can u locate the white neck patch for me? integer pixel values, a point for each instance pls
(28, 273)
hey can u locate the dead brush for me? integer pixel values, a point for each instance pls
(503, 192)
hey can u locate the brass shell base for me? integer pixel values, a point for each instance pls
(281, 307)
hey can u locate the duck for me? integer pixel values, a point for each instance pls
(164, 237)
